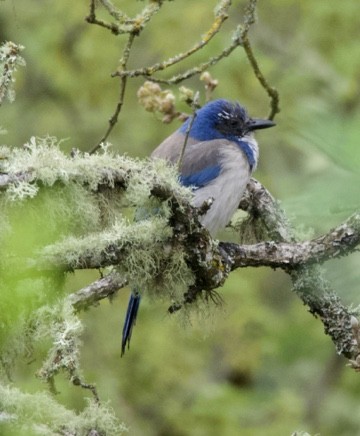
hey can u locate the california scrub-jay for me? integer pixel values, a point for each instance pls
(221, 154)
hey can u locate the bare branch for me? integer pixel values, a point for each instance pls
(271, 91)
(195, 105)
(236, 42)
(133, 27)
(220, 16)
(102, 288)
(124, 23)
(114, 118)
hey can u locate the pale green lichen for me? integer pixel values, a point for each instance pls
(63, 326)
(57, 210)
(148, 261)
(10, 59)
(42, 161)
(87, 221)
(58, 199)
(69, 208)
(42, 164)
(40, 414)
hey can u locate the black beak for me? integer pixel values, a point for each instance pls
(257, 123)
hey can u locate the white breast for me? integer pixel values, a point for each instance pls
(228, 188)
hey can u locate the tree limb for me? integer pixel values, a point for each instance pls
(102, 288)
(339, 241)
(308, 281)
(210, 261)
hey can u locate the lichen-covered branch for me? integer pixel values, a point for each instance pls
(213, 264)
(170, 246)
(105, 287)
(339, 241)
(10, 59)
(259, 203)
(308, 280)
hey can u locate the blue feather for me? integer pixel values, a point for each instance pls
(249, 153)
(201, 178)
(130, 320)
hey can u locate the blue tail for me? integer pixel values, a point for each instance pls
(130, 320)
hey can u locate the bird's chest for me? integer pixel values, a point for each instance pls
(234, 176)
(226, 190)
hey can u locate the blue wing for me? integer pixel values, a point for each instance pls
(200, 178)
(200, 162)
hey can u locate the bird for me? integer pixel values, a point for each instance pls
(220, 156)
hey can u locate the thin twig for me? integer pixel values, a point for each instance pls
(194, 105)
(114, 28)
(76, 381)
(220, 17)
(236, 42)
(271, 91)
(125, 24)
(114, 118)
(116, 13)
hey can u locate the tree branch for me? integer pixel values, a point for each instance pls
(104, 287)
(210, 261)
(339, 241)
(308, 281)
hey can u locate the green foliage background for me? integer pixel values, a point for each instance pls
(260, 365)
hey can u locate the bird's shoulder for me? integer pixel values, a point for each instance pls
(202, 160)
(198, 154)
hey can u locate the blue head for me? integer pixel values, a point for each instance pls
(222, 119)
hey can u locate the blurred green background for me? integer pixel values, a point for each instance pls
(260, 364)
